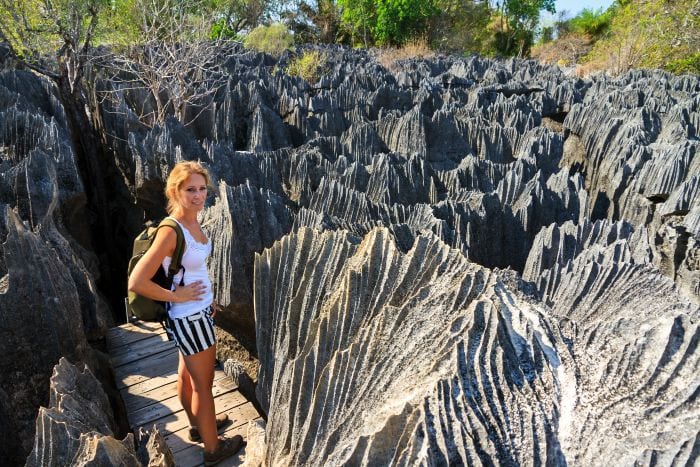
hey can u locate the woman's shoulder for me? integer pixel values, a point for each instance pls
(167, 237)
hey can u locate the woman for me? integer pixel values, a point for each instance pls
(190, 315)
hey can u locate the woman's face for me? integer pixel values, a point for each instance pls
(193, 193)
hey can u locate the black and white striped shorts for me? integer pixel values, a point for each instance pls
(192, 334)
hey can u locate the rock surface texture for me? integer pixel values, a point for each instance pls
(459, 259)
(77, 428)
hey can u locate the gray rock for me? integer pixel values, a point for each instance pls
(40, 300)
(243, 221)
(77, 426)
(393, 378)
(632, 335)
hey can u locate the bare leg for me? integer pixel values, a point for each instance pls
(201, 369)
(184, 389)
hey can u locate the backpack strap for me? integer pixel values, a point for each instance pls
(176, 261)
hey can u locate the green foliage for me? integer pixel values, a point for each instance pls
(514, 26)
(123, 18)
(387, 22)
(400, 20)
(358, 18)
(222, 30)
(314, 21)
(231, 17)
(273, 39)
(689, 64)
(649, 34)
(592, 22)
(546, 34)
(460, 27)
(309, 66)
(35, 27)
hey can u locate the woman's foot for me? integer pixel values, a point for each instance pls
(226, 448)
(221, 420)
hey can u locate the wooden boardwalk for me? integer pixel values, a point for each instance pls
(145, 365)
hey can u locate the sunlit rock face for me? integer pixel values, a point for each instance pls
(381, 357)
(78, 428)
(633, 336)
(374, 356)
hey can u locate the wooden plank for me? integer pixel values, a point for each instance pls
(156, 365)
(152, 412)
(117, 337)
(178, 420)
(148, 341)
(171, 403)
(149, 384)
(136, 326)
(136, 401)
(146, 373)
(146, 348)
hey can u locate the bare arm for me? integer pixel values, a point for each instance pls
(140, 279)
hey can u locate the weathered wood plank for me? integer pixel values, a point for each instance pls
(149, 384)
(155, 365)
(225, 403)
(142, 349)
(132, 332)
(135, 401)
(161, 408)
(146, 374)
(148, 338)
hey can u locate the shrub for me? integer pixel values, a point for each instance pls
(309, 66)
(273, 39)
(689, 64)
(592, 22)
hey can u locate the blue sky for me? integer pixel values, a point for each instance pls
(575, 6)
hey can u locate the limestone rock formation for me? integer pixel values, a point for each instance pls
(371, 356)
(243, 221)
(587, 190)
(77, 427)
(632, 336)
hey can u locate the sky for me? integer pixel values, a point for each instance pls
(575, 6)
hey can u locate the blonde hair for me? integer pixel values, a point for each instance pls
(177, 177)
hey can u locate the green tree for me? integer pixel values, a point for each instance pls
(595, 23)
(649, 34)
(273, 39)
(518, 22)
(400, 20)
(387, 22)
(358, 18)
(317, 21)
(234, 16)
(460, 26)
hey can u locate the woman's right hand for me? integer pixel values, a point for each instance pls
(189, 292)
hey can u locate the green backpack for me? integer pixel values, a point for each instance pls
(144, 308)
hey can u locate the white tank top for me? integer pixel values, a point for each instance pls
(194, 260)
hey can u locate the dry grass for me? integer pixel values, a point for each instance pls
(565, 51)
(416, 48)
